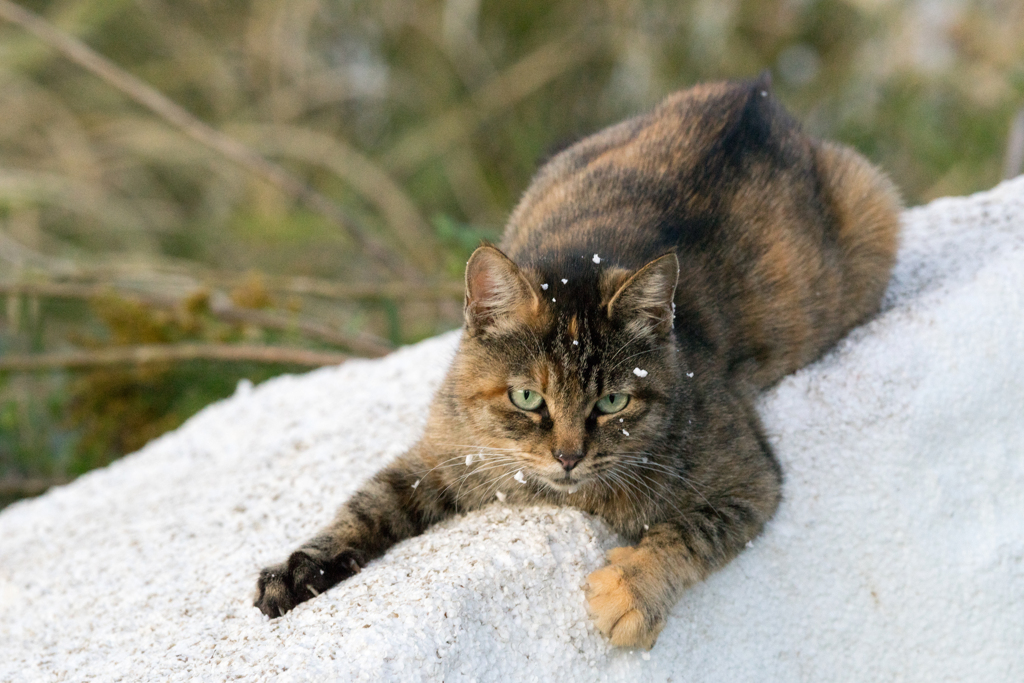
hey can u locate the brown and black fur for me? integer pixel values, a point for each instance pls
(733, 250)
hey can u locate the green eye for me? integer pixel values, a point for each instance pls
(612, 403)
(526, 399)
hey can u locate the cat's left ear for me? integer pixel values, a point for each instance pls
(496, 291)
(644, 300)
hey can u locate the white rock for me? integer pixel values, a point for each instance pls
(896, 555)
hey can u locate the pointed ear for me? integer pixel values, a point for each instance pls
(496, 291)
(644, 300)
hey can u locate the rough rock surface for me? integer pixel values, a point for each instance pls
(898, 553)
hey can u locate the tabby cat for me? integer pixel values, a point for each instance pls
(652, 280)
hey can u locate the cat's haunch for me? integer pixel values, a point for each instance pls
(654, 278)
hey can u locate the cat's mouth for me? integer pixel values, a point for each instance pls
(566, 483)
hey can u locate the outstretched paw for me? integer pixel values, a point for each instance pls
(615, 600)
(283, 586)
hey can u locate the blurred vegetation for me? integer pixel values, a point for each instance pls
(336, 162)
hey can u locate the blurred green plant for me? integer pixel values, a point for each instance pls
(279, 162)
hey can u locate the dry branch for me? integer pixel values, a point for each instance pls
(165, 353)
(398, 291)
(161, 105)
(57, 290)
(103, 281)
(364, 344)
(169, 274)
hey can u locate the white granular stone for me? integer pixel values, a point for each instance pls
(896, 554)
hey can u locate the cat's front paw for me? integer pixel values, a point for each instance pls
(616, 600)
(304, 576)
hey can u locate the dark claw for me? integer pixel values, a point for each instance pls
(283, 586)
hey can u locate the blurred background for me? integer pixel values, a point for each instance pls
(197, 193)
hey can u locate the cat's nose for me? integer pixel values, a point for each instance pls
(569, 460)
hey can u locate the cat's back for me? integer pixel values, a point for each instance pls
(784, 242)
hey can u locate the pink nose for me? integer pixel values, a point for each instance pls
(569, 460)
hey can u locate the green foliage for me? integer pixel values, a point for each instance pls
(460, 239)
(86, 420)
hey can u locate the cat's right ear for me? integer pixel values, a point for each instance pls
(497, 294)
(645, 301)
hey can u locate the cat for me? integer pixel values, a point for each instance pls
(652, 280)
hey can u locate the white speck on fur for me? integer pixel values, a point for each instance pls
(749, 544)
(564, 281)
(597, 259)
(544, 286)
(416, 483)
(647, 527)
(552, 298)
(625, 432)
(639, 373)
(689, 374)
(519, 477)
(469, 460)
(500, 495)
(575, 343)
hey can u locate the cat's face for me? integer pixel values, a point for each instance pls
(569, 382)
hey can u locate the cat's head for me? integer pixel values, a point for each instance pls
(568, 375)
